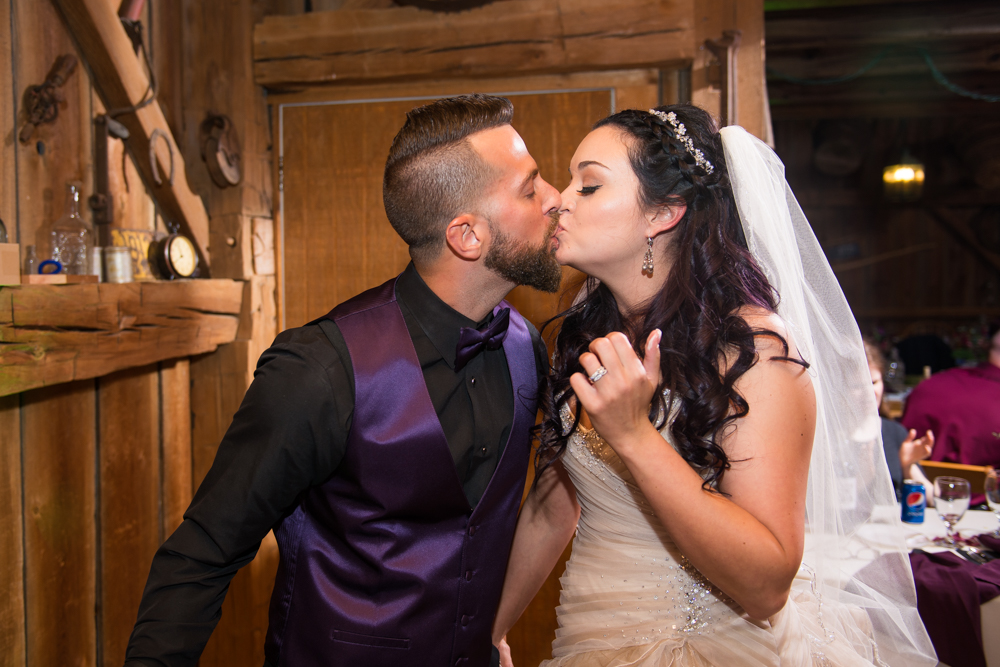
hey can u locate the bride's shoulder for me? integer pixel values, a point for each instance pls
(769, 322)
(762, 318)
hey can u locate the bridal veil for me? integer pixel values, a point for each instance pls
(854, 552)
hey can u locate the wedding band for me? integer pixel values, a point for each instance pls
(598, 374)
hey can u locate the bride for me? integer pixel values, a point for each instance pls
(709, 434)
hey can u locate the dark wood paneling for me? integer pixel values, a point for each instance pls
(916, 261)
(129, 500)
(60, 553)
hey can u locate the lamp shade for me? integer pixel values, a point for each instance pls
(904, 181)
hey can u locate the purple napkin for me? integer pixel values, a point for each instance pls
(949, 592)
(989, 541)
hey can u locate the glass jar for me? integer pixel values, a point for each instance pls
(69, 239)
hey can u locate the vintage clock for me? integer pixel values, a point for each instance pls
(174, 256)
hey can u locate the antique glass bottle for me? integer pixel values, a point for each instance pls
(69, 239)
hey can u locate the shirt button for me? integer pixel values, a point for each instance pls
(473, 382)
(483, 450)
(465, 620)
(468, 575)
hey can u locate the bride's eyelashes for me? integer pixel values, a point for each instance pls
(588, 190)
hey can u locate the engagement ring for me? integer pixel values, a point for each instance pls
(598, 374)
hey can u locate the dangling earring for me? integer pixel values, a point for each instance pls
(647, 260)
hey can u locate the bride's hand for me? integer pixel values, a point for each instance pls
(618, 402)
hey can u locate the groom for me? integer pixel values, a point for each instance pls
(386, 443)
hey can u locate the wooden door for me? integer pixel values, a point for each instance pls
(335, 241)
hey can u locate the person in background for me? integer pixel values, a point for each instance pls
(903, 449)
(961, 406)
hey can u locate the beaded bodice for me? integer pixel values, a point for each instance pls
(623, 560)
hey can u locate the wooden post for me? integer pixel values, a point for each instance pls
(724, 51)
(241, 232)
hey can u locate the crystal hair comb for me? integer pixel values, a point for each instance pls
(682, 136)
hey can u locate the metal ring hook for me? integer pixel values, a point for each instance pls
(152, 155)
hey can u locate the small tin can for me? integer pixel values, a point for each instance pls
(117, 264)
(914, 501)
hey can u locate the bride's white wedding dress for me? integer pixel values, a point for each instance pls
(629, 597)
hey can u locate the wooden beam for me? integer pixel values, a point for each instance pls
(958, 226)
(502, 38)
(122, 83)
(915, 90)
(921, 25)
(55, 334)
(950, 58)
(793, 5)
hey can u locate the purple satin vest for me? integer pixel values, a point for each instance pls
(385, 563)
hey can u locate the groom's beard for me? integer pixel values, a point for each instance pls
(523, 264)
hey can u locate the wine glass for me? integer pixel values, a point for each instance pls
(951, 500)
(993, 496)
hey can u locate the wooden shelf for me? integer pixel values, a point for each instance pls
(50, 334)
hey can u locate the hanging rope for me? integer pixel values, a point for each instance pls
(938, 76)
(958, 90)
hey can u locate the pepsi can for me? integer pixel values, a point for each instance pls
(914, 501)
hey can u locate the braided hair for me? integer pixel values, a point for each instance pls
(713, 276)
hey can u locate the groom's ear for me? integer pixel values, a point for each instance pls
(464, 236)
(665, 218)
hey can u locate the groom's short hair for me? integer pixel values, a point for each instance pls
(433, 173)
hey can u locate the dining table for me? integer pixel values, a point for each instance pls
(927, 540)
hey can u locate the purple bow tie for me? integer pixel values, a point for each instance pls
(472, 341)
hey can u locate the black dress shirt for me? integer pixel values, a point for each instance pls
(290, 434)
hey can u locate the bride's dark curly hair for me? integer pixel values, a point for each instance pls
(712, 277)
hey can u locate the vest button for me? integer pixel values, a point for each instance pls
(472, 531)
(468, 575)
(465, 620)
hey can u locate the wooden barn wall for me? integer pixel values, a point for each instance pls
(95, 474)
(906, 268)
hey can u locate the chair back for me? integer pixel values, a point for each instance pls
(976, 475)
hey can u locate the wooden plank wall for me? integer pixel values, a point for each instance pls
(83, 505)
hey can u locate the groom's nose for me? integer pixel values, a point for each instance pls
(551, 200)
